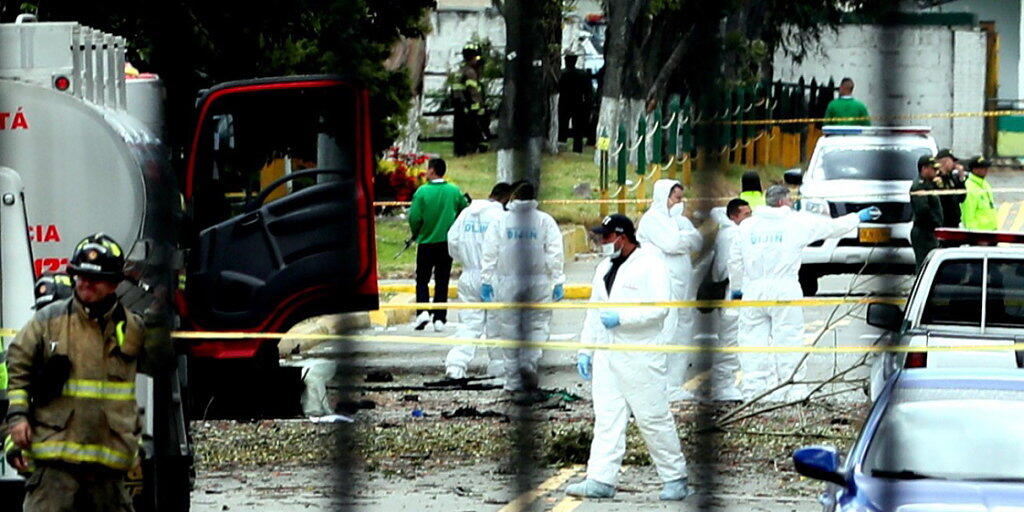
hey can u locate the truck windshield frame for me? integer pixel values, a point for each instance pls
(863, 162)
(959, 297)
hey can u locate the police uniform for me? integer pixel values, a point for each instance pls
(72, 377)
(927, 215)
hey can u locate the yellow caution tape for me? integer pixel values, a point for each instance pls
(873, 119)
(723, 199)
(616, 305)
(574, 345)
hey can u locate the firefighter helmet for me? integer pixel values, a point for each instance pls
(52, 287)
(471, 51)
(98, 256)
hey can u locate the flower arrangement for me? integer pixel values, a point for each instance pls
(400, 174)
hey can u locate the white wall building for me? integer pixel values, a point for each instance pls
(907, 70)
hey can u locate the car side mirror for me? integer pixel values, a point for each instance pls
(794, 176)
(819, 463)
(885, 316)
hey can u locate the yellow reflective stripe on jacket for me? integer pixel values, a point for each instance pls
(8, 444)
(458, 87)
(18, 397)
(100, 389)
(119, 332)
(472, 83)
(75, 452)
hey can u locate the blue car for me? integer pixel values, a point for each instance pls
(949, 440)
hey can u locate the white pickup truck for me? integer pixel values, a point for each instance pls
(854, 167)
(951, 305)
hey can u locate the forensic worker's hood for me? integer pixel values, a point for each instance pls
(721, 217)
(519, 204)
(659, 198)
(479, 205)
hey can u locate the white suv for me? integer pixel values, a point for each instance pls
(854, 167)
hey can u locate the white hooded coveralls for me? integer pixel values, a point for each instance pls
(766, 256)
(523, 260)
(675, 239)
(634, 383)
(465, 245)
(725, 365)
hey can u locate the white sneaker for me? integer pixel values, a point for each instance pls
(455, 372)
(422, 320)
(438, 326)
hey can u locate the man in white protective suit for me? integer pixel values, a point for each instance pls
(766, 256)
(626, 382)
(522, 262)
(725, 365)
(466, 246)
(664, 230)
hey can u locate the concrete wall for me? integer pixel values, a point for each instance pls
(906, 70)
(1007, 16)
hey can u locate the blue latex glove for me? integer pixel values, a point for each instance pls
(610, 319)
(486, 292)
(868, 214)
(559, 293)
(737, 294)
(584, 365)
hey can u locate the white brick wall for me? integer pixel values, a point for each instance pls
(906, 70)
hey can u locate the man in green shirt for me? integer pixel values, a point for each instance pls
(978, 211)
(435, 205)
(927, 209)
(846, 106)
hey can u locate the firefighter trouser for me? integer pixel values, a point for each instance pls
(66, 488)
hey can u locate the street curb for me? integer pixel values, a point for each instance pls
(394, 316)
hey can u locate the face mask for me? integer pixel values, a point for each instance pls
(610, 251)
(677, 209)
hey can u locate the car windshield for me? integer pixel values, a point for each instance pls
(954, 434)
(872, 162)
(956, 294)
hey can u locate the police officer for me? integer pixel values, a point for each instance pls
(979, 208)
(927, 209)
(72, 389)
(952, 177)
(470, 127)
(575, 103)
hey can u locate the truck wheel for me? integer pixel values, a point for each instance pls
(809, 282)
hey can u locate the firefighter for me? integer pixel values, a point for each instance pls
(72, 389)
(52, 287)
(575, 104)
(470, 127)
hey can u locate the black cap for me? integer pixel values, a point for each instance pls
(926, 160)
(980, 162)
(946, 153)
(616, 223)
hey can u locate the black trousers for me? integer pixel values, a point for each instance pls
(433, 259)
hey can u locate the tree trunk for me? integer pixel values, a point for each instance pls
(617, 41)
(525, 114)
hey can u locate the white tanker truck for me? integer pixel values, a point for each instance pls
(269, 221)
